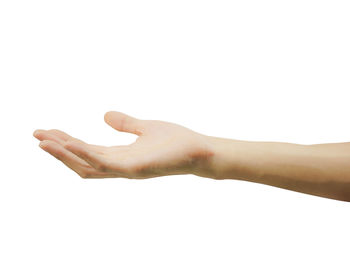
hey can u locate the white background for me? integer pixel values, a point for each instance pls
(249, 70)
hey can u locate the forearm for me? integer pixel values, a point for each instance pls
(322, 169)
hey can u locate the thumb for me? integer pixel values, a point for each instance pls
(123, 122)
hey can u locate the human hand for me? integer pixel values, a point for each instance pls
(162, 148)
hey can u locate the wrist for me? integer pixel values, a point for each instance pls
(214, 163)
(230, 159)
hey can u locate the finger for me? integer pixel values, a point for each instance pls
(45, 135)
(47, 138)
(62, 138)
(40, 133)
(85, 152)
(124, 123)
(70, 160)
(62, 135)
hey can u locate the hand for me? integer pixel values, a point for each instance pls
(162, 148)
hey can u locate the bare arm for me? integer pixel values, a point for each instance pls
(321, 169)
(164, 148)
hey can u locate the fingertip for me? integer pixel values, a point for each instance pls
(37, 132)
(41, 145)
(44, 144)
(108, 115)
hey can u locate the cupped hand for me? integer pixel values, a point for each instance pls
(162, 148)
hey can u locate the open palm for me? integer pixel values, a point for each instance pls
(162, 148)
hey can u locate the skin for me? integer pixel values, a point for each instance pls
(164, 148)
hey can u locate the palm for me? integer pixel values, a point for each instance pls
(162, 148)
